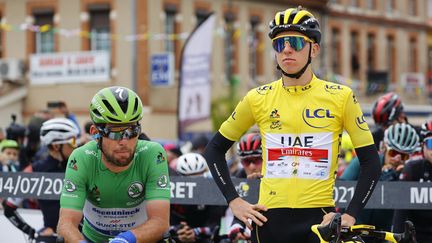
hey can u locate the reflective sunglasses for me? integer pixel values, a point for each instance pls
(428, 143)
(394, 153)
(119, 133)
(252, 160)
(296, 42)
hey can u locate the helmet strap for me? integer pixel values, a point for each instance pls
(298, 74)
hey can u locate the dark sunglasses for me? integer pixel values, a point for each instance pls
(252, 160)
(295, 42)
(119, 133)
(394, 153)
(428, 143)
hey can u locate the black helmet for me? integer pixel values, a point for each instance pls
(296, 19)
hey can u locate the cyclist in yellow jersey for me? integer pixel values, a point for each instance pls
(301, 120)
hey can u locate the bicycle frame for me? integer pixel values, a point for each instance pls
(335, 233)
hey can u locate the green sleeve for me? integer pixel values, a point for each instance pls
(157, 183)
(74, 190)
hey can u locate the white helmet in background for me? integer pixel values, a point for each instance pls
(191, 164)
(58, 131)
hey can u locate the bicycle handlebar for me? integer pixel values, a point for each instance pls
(335, 233)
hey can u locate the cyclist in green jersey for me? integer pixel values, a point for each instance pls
(119, 184)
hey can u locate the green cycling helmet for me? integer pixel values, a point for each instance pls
(8, 144)
(116, 105)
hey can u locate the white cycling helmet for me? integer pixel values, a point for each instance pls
(402, 137)
(58, 131)
(191, 164)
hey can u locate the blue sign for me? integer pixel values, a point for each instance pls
(162, 69)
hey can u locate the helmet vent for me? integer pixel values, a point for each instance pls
(135, 105)
(109, 107)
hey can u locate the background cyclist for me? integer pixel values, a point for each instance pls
(118, 183)
(418, 170)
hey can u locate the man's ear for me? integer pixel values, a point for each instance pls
(94, 132)
(315, 50)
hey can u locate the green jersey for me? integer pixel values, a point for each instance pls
(114, 202)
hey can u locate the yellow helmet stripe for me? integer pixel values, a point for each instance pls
(300, 15)
(287, 15)
(277, 18)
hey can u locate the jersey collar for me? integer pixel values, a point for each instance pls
(298, 89)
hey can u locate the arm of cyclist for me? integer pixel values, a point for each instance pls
(10, 212)
(370, 171)
(153, 229)
(215, 157)
(67, 227)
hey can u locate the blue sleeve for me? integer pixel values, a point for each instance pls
(352, 171)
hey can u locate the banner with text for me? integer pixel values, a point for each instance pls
(193, 190)
(195, 86)
(70, 67)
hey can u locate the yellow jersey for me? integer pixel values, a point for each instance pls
(301, 129)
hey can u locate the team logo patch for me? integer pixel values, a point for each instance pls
(135, 189)
(162, 182)
(274, 114)
(72, 164)
(333, 89)
(314, 117)
(160, 158)
(361, 123)
(69, 186)
(243, 189)
(262, 90)
(276, 125)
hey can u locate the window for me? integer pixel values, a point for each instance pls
(254, 42)
(100, 33)
(370, 4)
(44, 40)
(370, 52)
(336, 51)
(412, 55)
(170, 14)
(412, 7)
(201, 15)
(391, 55)
(229, 45)
(355, 3)
(355, 63)
(390, 6)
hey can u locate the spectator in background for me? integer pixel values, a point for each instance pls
(346, 153)
(400, 141)
(60, 137)
(60, 109)
(2, 135)
(250, 154)
(33, 137)
(199, 143)
(173, 152)
(17, 132)
(9, 156)
(387, 110)
(418, 170)
(194, 223)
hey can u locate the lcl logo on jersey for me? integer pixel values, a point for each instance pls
(262, 90)
(361, 123)
(333, 89)
(314, 117)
